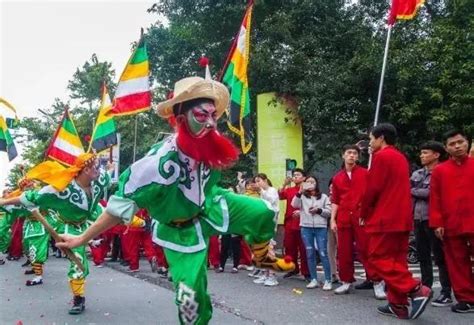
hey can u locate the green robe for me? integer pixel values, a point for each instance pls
(76, 211)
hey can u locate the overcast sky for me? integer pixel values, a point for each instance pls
(43, 42)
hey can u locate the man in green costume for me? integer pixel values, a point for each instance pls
(73, 192)
(177, 183)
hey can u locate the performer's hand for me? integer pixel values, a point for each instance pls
(439, 232)
(287, 181)
(70, 241)
(333, 226)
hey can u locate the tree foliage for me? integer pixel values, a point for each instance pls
(327, 55)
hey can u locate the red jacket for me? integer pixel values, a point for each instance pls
(387, 205)
(292, 223)
(347, 193)
(452, 197)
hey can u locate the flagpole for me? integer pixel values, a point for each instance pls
(382, 75)
(135, 138)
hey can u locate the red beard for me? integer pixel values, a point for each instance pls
(214, 150)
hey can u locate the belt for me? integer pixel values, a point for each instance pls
(183, 223)
(74, 223)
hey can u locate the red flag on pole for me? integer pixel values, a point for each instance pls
(403, 9)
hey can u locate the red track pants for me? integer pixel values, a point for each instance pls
(458, 255)
(295, 248)
(388, 260)
(214, 251)
(16, 245)
(133, 240)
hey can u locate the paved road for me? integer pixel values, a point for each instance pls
(115, 297)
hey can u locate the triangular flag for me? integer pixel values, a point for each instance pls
(105, 133)
(66, 145)
(6, 141)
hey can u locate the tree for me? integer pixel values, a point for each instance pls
(326, 55)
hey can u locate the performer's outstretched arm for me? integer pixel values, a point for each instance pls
(10, 201)
(104, 222)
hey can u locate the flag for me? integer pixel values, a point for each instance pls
(235, 78)
(403, 9)
(105, 134)
(133, 93)
(6, 141)
(66, 145)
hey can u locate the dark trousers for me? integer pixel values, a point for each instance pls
(230, 243)
(426, 244)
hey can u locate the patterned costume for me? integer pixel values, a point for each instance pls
(75, 212)
(187, 207)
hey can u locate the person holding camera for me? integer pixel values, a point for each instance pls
(315, 209)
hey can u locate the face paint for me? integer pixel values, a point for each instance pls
(201, 119)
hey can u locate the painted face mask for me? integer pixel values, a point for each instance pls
(201, 118)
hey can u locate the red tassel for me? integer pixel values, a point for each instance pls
(203, 61)
(288, 259)
(170, 95)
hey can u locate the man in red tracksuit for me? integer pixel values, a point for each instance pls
(451, 212)
(292, 241)
(348, 188)
(136, 237)
(387, 209)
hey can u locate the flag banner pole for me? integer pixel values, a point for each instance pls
(69, 253)
(382, 75)
(135, 139)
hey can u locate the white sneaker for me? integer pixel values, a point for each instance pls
(379, 290)
(260, 280)
(327, 285)
(313, 284)
(270, 281)
(249, 267)
(343, 289)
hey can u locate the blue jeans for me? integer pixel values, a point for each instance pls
(319, 236)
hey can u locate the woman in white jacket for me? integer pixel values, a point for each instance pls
(315, 209)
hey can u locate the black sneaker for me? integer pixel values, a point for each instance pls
(2, 261)
(162, 272)
(290, 274)
(463, 307)
(366, 285)
(26, 263)
(27, 272)
(400, 312)
(442, 301)
(79, 304)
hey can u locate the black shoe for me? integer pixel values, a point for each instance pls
(162, 272)
(442, 301)
(400, 312)
(125, 263)
(2, 261)
(26, 263)
(13, 258)
(366, 285)
(79, 304)
(463, 307)
(28, 272)
(30, 283)
(290, 274)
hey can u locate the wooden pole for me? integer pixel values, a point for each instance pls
(69, 253)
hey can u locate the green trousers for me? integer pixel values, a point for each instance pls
(225, 213)
(5, 233)
(74, 272)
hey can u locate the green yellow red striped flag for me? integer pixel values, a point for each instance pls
(104, 135)
(235, 78)
(6, 141)
(66, 145)
(133, 93)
